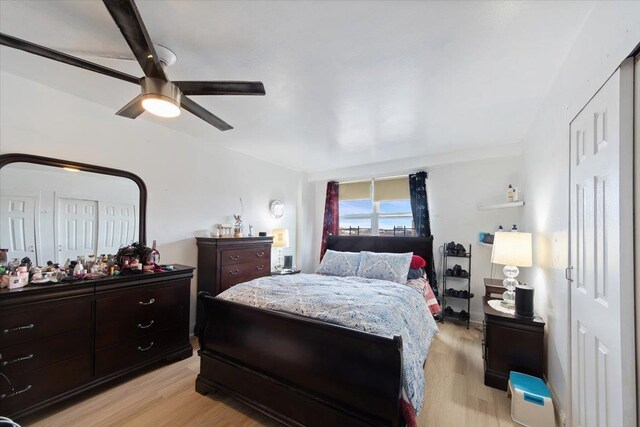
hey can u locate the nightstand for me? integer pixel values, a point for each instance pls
(510, 343)
(284, 273)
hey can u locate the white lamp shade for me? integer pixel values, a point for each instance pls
(280, 237)
(512, 248)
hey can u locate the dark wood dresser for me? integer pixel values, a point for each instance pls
(59, 340)
(224, 262)
(510, 343)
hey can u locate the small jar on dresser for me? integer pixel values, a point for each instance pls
(224, 262)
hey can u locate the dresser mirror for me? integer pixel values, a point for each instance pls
(54, 210)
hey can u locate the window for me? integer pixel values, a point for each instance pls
(379, 208)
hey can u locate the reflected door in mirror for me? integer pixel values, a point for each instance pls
(17, 229)
(52, 213)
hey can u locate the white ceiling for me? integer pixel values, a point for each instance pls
(348, 83)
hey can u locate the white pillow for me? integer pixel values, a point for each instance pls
(342, 264)
(385, 266)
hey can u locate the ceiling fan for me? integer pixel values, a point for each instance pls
(159, 95)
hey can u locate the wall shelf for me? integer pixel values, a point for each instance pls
(500, 205)
(484, 244)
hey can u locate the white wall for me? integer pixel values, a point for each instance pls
(192, 183)
(609, 35)
(455, 190)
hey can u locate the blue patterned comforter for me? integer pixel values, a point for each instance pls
(375, 306)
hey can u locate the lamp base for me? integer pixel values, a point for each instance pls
(510, 283)
(509, 298)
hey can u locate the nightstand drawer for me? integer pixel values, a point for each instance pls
(256, 254)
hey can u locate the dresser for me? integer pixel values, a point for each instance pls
(224, 262)
(510, 343)
(59, 340)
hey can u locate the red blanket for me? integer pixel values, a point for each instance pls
(422, 285)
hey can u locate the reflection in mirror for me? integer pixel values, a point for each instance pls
(49, 213)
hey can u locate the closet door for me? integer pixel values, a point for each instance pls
(603, 389)
(117, 226)
(18, 228)
(77, 228)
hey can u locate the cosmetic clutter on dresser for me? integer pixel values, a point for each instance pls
(59, 340)
(510, 343)
(224, 262)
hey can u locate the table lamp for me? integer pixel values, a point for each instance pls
(511, 249)
(280, 241)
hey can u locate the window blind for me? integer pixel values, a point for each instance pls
(356, 190)
(391, 189)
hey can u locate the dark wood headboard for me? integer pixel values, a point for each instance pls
(422, 246)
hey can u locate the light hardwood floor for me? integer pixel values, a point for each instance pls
(455, 396)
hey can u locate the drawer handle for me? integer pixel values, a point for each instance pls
(233, 273)
(145, 348)
(141, 326)
(260, 254)
(15, 393)
(151, 301)
(260, 267)
(19, 328)
(17, 359)
(234, 257)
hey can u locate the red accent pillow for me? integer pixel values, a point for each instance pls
(418, 262)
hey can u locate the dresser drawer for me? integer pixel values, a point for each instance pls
(111, 332)
(256, 254)
(43, 320)
(140, 304)
(238, 273)
(130, 353)
(39, 384)
(21, 358)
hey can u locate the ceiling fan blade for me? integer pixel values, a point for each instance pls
(126, 15)
(133, 109)
(196, 109)
(220, 88)
(45, 52)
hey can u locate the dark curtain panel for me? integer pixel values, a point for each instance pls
(419, 203)
(331, 224)
(420, 210)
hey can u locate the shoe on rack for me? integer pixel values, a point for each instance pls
(457, 270)
(460, 250)
(448, 311)
(451, 248)
(463, 315)
(449, 272)
(464, 273)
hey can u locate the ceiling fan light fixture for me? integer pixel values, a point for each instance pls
(160, 106)
(160, 97)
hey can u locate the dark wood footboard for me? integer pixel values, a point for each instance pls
(298, 370)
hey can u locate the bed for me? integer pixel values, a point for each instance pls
(302, 370)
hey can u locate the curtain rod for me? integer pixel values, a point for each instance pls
(373, 179)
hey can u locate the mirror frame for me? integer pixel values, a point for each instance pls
(6, 159)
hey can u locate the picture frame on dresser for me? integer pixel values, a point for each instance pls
(63, 339)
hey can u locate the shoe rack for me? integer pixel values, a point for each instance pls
(456, 284)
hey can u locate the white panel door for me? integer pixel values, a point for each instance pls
(77, 228)
(602, 290)
(117, 226)
(18, 228)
